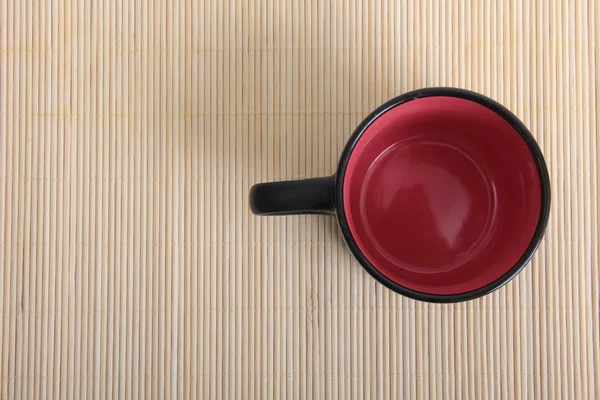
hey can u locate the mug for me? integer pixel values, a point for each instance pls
(441, 194)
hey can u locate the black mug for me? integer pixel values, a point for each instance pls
(441, 194)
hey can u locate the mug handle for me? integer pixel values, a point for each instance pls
(306, 196)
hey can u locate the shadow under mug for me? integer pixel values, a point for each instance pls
(442, 195)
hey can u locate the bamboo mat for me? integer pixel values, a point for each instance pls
(131, 131)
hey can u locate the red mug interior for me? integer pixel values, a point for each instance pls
(442, 195)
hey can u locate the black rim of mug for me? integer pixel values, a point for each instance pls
(542, 172)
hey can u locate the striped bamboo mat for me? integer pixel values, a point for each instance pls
(130, 265)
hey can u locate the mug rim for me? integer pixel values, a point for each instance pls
(533, 147)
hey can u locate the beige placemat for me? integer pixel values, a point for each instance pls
(131, 131)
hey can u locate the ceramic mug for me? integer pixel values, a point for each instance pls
(441, 194)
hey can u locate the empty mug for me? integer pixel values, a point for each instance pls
(441, 194)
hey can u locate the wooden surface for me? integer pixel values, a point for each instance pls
(130, 266)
